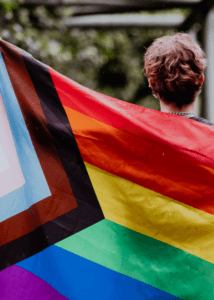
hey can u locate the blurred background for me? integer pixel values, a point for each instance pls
(101, 43)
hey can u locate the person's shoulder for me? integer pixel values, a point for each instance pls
(202, 120)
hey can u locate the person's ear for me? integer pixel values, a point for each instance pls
(201, 80)
(151, 86)
(150, 83)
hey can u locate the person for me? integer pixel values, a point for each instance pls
(174, 66)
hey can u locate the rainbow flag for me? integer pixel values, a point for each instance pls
(101, 199)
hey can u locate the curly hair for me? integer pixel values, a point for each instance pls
(175, 65)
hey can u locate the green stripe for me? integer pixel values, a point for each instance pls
(143, 258)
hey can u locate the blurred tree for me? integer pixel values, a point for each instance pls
(109, 61)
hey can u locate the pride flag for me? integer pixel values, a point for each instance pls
(100, 199)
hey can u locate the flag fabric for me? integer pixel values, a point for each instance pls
(107, 200)
(46, 203)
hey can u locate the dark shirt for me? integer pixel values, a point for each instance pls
(202, 120)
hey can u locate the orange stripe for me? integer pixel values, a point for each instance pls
(130, 157)
(189, 137)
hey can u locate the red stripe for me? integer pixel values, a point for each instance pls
(187, 136)
(123, 154)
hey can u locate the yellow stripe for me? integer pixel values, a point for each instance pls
(153, 214)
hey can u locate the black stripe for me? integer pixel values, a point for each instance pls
(46, 235)
(89, 211)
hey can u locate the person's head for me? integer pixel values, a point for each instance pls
(174, 66)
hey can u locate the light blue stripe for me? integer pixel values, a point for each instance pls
(35, 187)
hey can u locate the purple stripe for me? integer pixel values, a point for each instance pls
(17, 283)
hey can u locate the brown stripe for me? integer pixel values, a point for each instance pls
(62, 199)
(38, 214)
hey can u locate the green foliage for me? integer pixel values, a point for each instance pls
(109, 61)
(10, 5)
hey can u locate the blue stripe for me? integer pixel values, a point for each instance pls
(35, 187)
(78, 278)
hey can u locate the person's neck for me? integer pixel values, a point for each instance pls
(172, 108)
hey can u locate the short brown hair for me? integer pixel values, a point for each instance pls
(175, 65)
